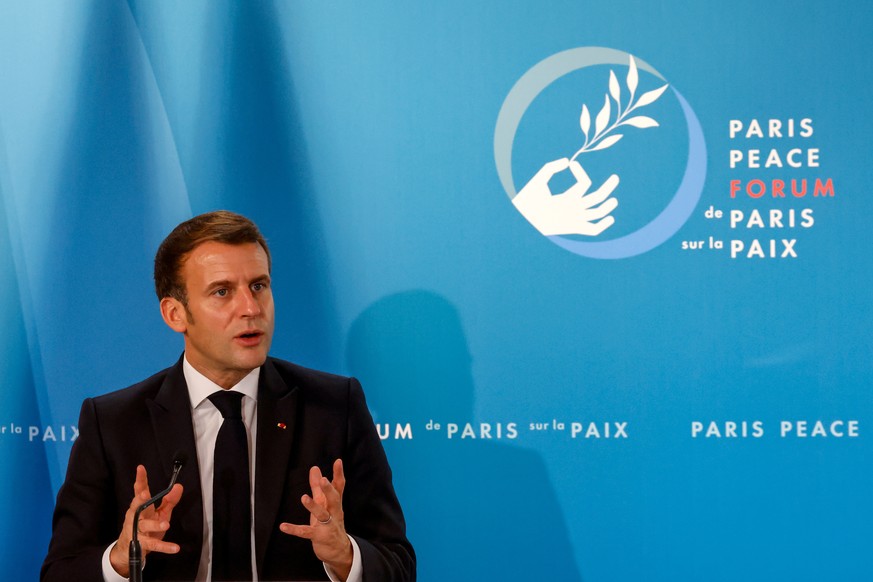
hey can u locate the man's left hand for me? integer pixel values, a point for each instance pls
(326, 529)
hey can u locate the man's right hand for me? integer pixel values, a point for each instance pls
(153, 524)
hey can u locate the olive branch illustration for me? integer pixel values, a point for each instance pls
(601, 138)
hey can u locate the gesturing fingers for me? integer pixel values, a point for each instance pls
(328, 494)
(151, 527)
(140, 496)
(319, 516)
(141, 484)
(324, 504)
(138, 499)
(153, 521)
(319, 513)
(301, 531)
(326, 529)
(170, 501)
(339, 477)
(154, 544)
(316, 481)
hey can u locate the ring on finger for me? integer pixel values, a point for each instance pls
(326, 521)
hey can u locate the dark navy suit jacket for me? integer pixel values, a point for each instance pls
(305, 418)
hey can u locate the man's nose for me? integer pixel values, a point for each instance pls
(249, 303)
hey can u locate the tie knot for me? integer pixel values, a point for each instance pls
(228, 402)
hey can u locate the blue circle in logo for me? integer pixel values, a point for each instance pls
(669, 220)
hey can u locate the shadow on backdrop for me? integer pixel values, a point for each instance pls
(24, 475)
(476, 509)
(101, 215)
(252, 158)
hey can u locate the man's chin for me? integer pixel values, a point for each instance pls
(251, 359)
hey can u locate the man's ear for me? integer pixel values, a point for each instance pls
(174, 313)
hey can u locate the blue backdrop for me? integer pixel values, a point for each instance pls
(548, 414)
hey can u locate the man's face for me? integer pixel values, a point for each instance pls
(228, 325)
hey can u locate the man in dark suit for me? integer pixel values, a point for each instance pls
(212, 276)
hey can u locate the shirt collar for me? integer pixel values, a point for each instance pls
(200, 387)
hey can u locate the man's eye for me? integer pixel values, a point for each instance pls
(259, 287)
(221, 292)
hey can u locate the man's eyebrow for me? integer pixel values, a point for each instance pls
(219, 283)
(228, 283)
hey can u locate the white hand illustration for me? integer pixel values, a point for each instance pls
(571, 212)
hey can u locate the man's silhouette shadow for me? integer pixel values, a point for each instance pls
(476, 509)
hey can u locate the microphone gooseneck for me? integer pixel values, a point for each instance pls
(135, 553)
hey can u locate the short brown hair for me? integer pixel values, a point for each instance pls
(219, 226)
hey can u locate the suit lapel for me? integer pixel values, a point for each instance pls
(277, 410)
(174, 432)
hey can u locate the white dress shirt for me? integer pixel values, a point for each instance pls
(207, 421)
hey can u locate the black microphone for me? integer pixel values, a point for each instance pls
(135, 555)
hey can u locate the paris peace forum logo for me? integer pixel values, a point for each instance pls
(611, 156)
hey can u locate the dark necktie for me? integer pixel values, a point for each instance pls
(231, 493)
